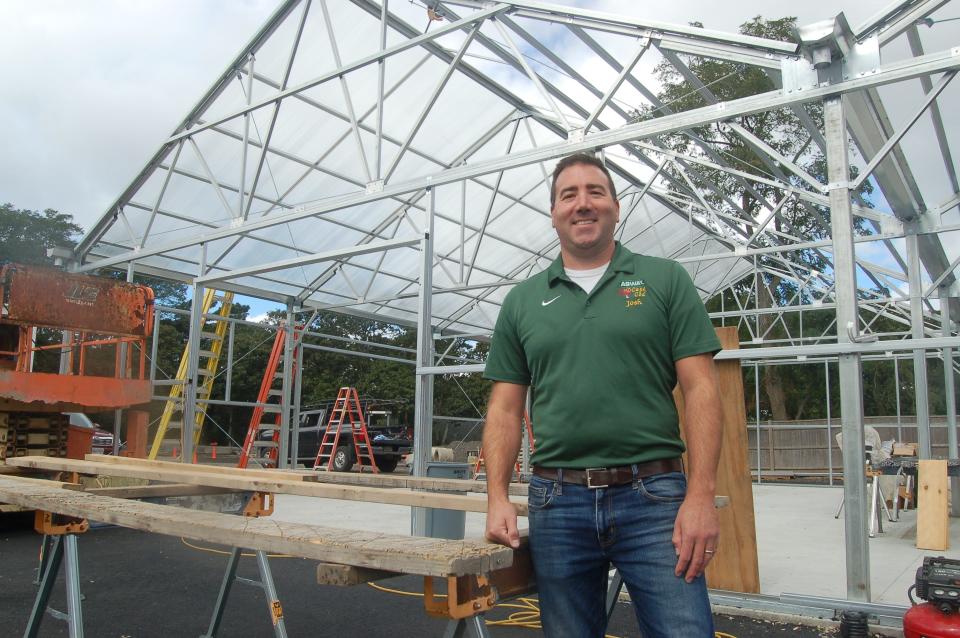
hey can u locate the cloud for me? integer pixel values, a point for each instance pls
(93, 88)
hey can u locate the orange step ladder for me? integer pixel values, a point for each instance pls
(346, 409)
(269, 400)
(527, 423)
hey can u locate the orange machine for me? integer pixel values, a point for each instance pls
(97, 316)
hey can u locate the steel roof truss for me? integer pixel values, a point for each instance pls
(894, 139)
(441, 83)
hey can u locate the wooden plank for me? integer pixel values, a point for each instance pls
(933, 506)
(239, 481)
(390, 552)
(337, 478)
(288, 475)
(156, 491)
(349, 575)
(735, 566)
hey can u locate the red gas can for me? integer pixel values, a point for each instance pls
(927, 621)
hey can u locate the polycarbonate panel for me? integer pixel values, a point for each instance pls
(327, 140)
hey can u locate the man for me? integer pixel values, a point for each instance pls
(602, 337)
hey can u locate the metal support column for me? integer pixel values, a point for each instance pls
(295, 411)
(920, 391)
(193, 362)
(525, 442)
(851, 395)
(121, 373)
(756, 413)
(283, 454)
(950, 399)
(826, 374)
(423, 418)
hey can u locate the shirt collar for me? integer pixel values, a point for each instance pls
(622, 261)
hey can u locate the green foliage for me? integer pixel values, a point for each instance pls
(381, 384)
(786, 390)
(25, 234)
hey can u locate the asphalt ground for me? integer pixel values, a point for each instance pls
(141, 585)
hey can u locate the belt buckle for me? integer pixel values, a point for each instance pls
(589, 472)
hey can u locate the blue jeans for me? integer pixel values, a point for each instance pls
(577, 532)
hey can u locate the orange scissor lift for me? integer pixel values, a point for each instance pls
(96, 315)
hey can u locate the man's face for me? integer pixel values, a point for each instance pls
(584, 212)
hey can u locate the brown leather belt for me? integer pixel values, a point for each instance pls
(596, 477)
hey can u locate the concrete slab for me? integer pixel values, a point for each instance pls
(800, 544)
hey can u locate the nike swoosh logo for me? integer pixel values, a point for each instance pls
(547, 303)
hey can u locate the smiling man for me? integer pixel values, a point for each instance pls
(601, 338)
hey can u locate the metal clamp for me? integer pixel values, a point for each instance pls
(466, 596)
(52, 524)
(260, 504)
(855, 338)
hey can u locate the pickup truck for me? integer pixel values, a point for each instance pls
(388, 442)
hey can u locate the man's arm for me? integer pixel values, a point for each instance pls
(501, 444)
(697, 528)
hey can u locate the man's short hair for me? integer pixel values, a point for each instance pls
(572, 160)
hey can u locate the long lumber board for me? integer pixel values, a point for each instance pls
(389, 552)
(239, 481)
(288, 475)
(338, 478)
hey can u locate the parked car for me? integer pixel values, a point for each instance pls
(388, 442)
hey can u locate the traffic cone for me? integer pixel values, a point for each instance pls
(176, 452)
(214, 454)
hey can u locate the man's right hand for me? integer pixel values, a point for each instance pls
(502, 524)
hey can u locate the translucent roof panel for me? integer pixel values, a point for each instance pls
(309, 171)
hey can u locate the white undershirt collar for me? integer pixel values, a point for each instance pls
(586, 279)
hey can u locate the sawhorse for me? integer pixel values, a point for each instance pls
(64, 531)
(477, 626)
(260, 504)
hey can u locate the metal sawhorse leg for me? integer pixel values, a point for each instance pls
(260, 504)
(613, 592)
(266, 582)
(476, 625)
(876, 497)
(64, 532)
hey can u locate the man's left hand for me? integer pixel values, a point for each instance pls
(695, 535)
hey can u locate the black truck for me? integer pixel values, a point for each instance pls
(388, 442)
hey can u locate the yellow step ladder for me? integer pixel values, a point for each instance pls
(213, 333)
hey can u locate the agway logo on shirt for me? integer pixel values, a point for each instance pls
(633, 291)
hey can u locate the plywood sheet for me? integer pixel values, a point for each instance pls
(735, 566)
(932, 506)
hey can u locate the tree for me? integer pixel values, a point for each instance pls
(26, 234)
(743, 202)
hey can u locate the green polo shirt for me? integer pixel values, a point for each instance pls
(601, 366)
